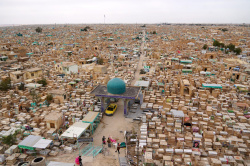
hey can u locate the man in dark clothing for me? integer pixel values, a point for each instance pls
(118, 148)
(109, 142)
(80, 160)
(104, 140)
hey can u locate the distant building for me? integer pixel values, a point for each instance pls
(66, 67)
(33, 73)
(17, 76)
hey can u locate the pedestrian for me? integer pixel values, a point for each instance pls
(109, 142)
(118, 148)
(104, 140)
(80, 160)
(20, 108)
(67, 126)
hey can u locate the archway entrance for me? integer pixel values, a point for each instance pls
(101, 92)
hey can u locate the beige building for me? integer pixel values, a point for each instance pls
(100, 69)
(17, 76)
(33, 73)
(54, 120)
(58, 95)
(186, 88)
(210, 56)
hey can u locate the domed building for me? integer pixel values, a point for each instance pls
(116, 88)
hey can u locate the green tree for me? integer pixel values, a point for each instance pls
(231, 47)
(86, 28)
(21, 86)
(216, 43)
(5, 84)
(39, 29)
(222, 45)
(205, 47)
(238, 51)
(224, 29)
(42, 81)
(9, 140)
(49, 98)
(142, 71)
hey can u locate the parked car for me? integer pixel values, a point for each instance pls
(110, 110)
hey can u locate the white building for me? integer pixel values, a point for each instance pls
(66, 67)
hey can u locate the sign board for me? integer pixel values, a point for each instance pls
(85, 140)
(146, 67)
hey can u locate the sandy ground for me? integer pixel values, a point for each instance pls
(113, 126)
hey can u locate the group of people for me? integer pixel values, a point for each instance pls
(109, 141)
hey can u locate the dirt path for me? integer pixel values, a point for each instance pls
(140, 65)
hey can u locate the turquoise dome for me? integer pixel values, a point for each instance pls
(116, 86)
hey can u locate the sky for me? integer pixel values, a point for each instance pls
(123, 11)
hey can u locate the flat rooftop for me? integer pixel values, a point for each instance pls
(34, 69)
(131, 92)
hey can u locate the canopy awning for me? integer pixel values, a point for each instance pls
(90, 117)
(211, 86)
(29, 142)
(76, 130)
(32, 85)
(42, 143)
(187, 70)
(205, 72)
(186, 61)
(175, 59)
(72, 83)
(142, 83)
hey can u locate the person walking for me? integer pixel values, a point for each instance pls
(118, 148)
(104, 140)
(109, 142)
(80, 160)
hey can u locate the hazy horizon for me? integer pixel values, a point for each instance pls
(9, 25)
(30, 12)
